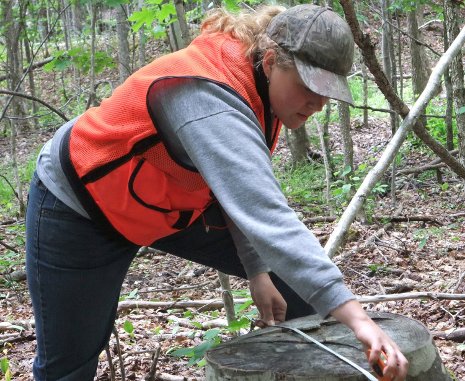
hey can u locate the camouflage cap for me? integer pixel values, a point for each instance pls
(322, 45)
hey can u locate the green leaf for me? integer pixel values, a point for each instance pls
(166, 11)
(211, 334)
(4, 365)
(141, 18)
(346, 188)
(347, 170)
(422, 243)
(182, 352)
(236, 325)
(128, 327)
(461, 110)
(115, 3)
(241, 307)
(444, 186)
(231, 5)
(133, 294)
(461, 347)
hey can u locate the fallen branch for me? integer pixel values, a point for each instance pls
(204, 304)
(406, 219)
(410, 295)
(458, 335)
(170, 377)
(8, 247)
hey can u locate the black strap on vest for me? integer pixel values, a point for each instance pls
(262, 88)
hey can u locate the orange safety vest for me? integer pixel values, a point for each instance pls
(116, 161)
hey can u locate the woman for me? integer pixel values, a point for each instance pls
(178, 158)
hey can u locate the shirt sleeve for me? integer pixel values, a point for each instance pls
(224, 141)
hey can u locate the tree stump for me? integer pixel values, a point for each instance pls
(274, 353)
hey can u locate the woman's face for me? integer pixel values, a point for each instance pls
(291, 100)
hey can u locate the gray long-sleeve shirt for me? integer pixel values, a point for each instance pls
(212, 129)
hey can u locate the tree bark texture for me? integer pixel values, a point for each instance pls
(122, 30)
(419, 60)
(298, 143)
(347, 142)
(456, 72)
(275, 353)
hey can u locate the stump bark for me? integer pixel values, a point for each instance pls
(274, 353)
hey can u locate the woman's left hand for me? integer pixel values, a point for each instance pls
(374, 338)
(270, 303)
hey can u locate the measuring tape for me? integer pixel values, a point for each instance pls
(327, 349)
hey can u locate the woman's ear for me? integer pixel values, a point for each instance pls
(268, 61)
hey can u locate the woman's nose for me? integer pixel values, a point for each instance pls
(317, 102)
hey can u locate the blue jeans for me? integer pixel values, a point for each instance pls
(75, 271)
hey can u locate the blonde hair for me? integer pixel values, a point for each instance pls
(249, 27)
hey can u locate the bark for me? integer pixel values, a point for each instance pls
(181, 14)
(419, 60)
(457, 73)
(368, 50)
(449, 98)
(298, 143)
(92, 96)
(324, 143)
(283, 352)
(365, 94)
(140, 5)
(228, 299)
(122, 30)
(410, 121)
(347, 142)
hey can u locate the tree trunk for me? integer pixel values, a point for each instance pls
(324, 143)
(122, 29)
(449, 98)
(181, 14)
(347, 142)
(280, 353)
(92, 100)
(420, 63)
(456, 71)
(298, 143)
(140, 4)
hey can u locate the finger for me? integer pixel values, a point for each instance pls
(279, 315)
(266, 314)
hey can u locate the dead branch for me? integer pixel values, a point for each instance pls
(153, 367)
(173, 289)
(31, 67)
(204, 304)
(458, 335)
(32, 98)
(170, 377)
(407, 219)
(410, 295)
(6, 246)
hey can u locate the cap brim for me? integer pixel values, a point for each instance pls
(324, 82)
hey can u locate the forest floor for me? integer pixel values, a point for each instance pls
(379, 258)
